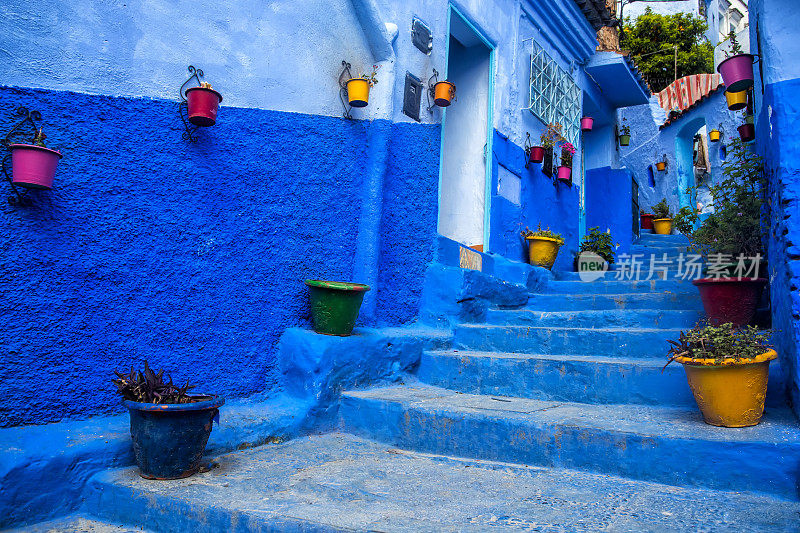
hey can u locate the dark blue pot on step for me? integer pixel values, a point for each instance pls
(169, 439)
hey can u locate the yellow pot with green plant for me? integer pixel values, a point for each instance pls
(727, 369)
(543, 246)
(662, 223)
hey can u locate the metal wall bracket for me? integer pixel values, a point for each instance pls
(183, 107)
(343, 77)
(24, 131)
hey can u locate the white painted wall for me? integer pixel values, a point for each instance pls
(462, 188)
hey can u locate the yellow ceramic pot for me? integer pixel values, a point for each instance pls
(443, 92)
(542, 251)
(714, 135)
(662, 226)
(730, 393)
(358, 92)
(736, 101)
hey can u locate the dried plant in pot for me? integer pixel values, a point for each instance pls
(169, 426)
(727, 369)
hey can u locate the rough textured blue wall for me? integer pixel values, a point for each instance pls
(408, 223)
(189, 255)
(608, 204)
(541, 202)
(782, 160)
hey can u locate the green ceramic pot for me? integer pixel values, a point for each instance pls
(335, 305)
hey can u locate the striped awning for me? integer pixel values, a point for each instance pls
(683, 93)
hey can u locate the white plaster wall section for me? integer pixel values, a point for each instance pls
(463, 185)
(274, 55)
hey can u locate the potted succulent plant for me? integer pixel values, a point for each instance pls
(737, 69)
(596, 246)
(358, 88)
(624, 133)
(646, 219)
(33, 166)
(587, 123)
(565, 170)
(662, 221)
(548, 139)
(203, 104)
(543, 246)
(169, 427)
(730, 240)
(727, 369)
(335, 305)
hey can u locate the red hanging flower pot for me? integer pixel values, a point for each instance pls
(747, 132)
(565, 174)
(536, 154)
(203, 104)
(33, 167)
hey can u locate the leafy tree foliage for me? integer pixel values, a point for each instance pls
(652, 32)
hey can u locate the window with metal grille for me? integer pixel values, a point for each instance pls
(554, 96)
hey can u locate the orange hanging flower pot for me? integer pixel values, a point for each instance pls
(443, 93)
(661, 166)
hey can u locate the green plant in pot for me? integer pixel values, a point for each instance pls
(596, 251)
(624, 133)
(662, 221)
(548, 140)
(730, 240)
(727, 369)
(169, 426)
(335, 305)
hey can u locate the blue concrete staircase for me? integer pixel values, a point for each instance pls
(555, 416)
(575, 380)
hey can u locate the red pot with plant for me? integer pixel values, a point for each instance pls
(730, 240)
(565, 170)
(646, 220)
(33, 166)
(536, 154)
(203, 103)
(548, 141)
(737, 70)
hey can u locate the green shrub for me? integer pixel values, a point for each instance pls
(600, 243)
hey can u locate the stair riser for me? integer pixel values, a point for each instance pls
(600, 302)
(672, 275)
(571, 381)
(623, 343)
(596, 319)
(721, 465)
(620, 287)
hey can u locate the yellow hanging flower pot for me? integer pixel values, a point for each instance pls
(731, 392)
(358, 92)
(736, 100)
(714, 135)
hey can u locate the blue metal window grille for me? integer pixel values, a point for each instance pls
(554, 96)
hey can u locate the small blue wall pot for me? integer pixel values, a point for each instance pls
(169, 439)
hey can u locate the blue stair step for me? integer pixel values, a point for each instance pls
(655, 443)
(658, 274)
(574, 378)
(79, 523)
(619, 287)
(339, 482)
(602, 342)
(599, 302)
(639, 318)
(652, 238)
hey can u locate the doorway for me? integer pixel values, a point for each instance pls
(465, 169)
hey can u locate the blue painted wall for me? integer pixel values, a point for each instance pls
(540, 202)
(191, 256)
(608, 204)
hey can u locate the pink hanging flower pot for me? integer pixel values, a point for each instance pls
(33, 166)
(203, 104)
(737, 72)
(565, 174)
(586, 123)
(537, 154)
